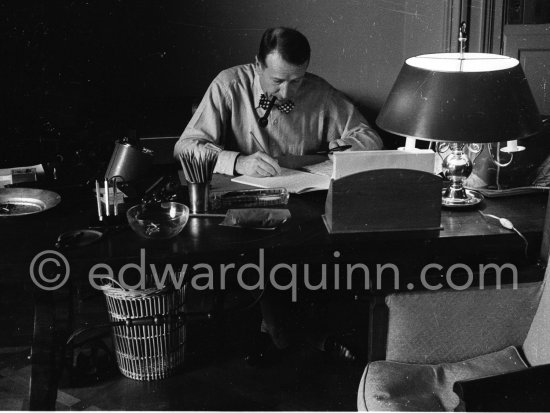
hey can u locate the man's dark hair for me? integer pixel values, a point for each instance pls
(290, 43)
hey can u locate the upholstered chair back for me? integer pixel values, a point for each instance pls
(536, 346)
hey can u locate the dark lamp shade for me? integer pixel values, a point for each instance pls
(480, 98)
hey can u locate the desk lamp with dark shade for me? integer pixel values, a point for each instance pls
(461, 99)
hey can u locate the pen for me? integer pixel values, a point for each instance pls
(98, 201)
(335, 149)
(258, 142)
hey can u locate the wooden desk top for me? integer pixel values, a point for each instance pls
(305, 234)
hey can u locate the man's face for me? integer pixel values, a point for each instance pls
(279, 78)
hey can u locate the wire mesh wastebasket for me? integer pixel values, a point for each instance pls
(147, 352)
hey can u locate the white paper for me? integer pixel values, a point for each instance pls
(323, 168)
(39, 169)
(297, 182)
(5, 174)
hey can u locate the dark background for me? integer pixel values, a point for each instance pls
(78, 75)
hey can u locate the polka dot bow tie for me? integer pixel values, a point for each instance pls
(285, 107)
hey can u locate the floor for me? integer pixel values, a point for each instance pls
(214, 376)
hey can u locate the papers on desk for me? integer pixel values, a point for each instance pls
(324, 168)
(297, 182)
(19, 174)
(521, 190)
(318, 176)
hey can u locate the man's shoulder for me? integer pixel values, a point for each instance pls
(317, 83)
(321, 90)
(239, 74)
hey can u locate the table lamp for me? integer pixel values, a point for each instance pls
(458, 99)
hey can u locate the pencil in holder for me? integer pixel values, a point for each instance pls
(198, 166)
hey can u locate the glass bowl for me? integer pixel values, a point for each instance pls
(158, 221)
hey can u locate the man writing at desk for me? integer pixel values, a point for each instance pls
(306, 115)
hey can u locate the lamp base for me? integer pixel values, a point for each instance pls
(466, 198)
(457, 167)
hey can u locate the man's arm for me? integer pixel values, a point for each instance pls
(349, 127)
(208, 124)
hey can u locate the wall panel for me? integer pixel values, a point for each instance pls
(358, 46)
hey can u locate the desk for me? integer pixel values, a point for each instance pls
(464, 231)
(466, 237)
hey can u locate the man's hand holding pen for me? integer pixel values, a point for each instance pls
(257, 164)
(262, 165)
(338, 145)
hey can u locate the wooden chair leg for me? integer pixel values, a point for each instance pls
(378, 328)
(43, 386)
(53, 317)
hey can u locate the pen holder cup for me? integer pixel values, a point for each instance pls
(198, 196)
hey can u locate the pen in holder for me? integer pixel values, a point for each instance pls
(198, 167)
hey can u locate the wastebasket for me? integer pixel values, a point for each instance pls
(147, 352)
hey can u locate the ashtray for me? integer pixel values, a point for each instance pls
(26, 201)
(158, 220)
(78, 238)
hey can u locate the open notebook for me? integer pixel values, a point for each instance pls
(297, 182)
(344, 163)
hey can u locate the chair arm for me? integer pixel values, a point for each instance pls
(524, 390)
(450, 325)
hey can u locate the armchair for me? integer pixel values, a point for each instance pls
(438, 342)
